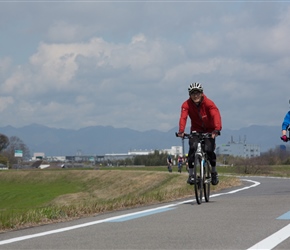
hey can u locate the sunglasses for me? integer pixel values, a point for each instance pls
(195, 93)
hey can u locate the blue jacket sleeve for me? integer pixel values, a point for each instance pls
(286, 121)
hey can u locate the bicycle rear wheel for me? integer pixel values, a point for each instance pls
(198, 180)
(207, 180)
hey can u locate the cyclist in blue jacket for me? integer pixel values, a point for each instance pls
(169, 163)
(285, 126)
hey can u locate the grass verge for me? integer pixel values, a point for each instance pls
(36, 197)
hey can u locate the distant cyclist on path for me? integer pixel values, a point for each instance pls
(169, 163)
(205, 118)
(180, 163)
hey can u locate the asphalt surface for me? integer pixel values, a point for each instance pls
(254, 216)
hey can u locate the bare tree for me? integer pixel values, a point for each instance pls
(4, 142)
(260, 164)
(16, 144)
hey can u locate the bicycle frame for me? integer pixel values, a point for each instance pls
(203, 168)
(203, 157)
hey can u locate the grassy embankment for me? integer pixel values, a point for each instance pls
(34, 197)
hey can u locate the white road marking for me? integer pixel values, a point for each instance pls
(256, 183)
(60, 230)
(132, 217)
(273, 240)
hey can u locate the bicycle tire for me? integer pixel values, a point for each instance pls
(207, 180)
(197, 180)
(169, 167)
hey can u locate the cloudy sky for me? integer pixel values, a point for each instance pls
(74, 64)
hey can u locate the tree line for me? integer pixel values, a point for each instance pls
(276, 156)
(154, 159)
(8, 146)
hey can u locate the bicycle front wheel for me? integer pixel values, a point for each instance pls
(198, 186)
(207, 180)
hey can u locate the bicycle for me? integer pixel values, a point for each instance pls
(179, 165)
(169, 167)
(202, 168)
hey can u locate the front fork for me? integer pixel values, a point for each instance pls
(207, 179)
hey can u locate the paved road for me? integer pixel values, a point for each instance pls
(254, 216)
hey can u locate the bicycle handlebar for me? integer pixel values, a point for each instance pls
(287, 136)
(194, 133)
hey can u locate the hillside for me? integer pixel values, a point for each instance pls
(98, 140)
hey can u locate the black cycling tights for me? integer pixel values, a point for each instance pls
(209, 147)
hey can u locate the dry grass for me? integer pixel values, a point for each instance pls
(69, 194)
(111, 185)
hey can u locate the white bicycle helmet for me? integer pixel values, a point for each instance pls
(195, 86)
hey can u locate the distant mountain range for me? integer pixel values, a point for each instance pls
(99, 140)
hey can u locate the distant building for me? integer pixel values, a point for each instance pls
(140, 152)
(240, 149)
(174, 151)
(57, 158)
(38, 156)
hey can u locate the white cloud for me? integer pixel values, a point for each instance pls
(5, 102)
(102, 64)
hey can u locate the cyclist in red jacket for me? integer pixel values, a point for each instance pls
(205, 118)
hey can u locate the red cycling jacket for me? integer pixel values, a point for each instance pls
(204, 118)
